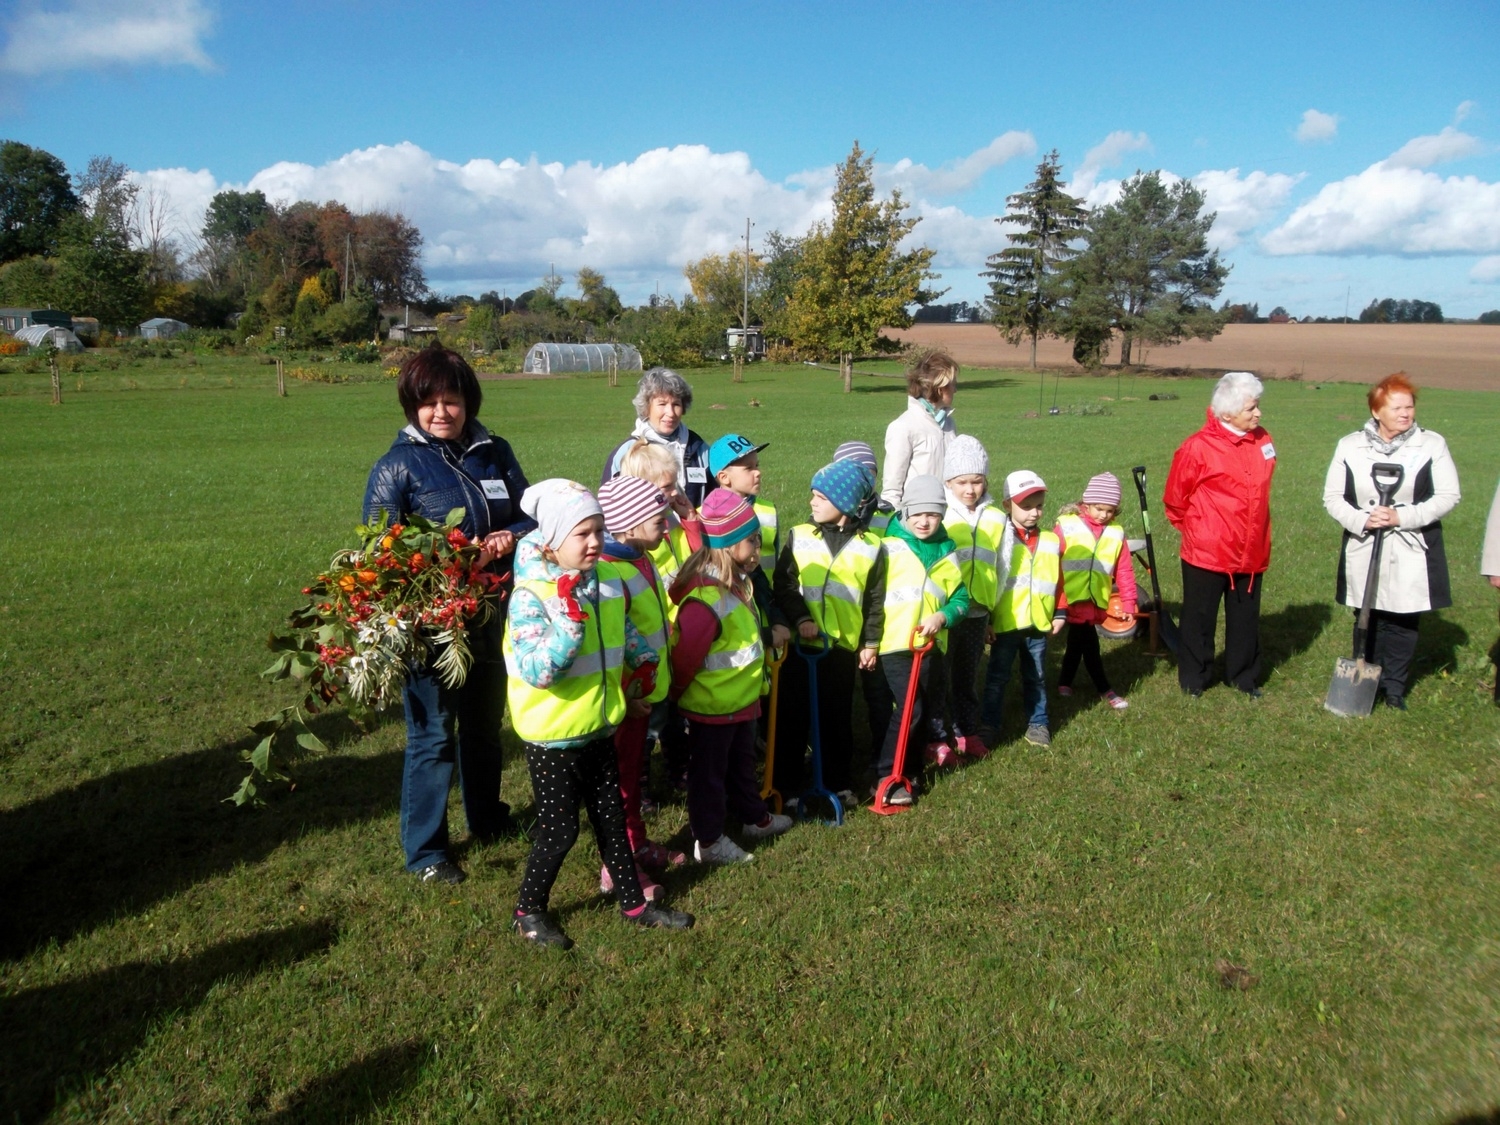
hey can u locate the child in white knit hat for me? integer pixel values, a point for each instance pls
(976, 527)
(1098, 581)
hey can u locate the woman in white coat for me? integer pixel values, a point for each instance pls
(916, 443)
(1413, 566)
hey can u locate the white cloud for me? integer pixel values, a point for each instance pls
(957, 175)
(1241, 203)
(1486, 269)
(1437, 148)
(1464, 109)
(92, 34)
(1395, 207)
(1106, 154)
(1317, 126)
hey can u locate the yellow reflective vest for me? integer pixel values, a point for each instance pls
(1088, 565)
(587, 699)
(912, 592)
(833, 586)
(977, 553)
(647, 604)
(733, 672)
(668, 557)
(765, 512)
(1028, 596)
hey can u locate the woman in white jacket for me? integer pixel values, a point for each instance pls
(916, 443)
(1413, 567)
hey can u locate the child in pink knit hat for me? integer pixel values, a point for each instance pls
(1098, 581)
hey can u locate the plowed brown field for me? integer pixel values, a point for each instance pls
(1457, 356)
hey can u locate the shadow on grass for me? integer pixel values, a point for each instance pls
(1289, 632)
(357, 1091)
(1437, 647)
(1483, 1117)
(964, 384)
(55, 1039)
(119, 843)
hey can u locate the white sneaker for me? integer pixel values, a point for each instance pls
(723, 850)
(775, 825)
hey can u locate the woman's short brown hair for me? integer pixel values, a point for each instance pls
(932, 373)
(434, 371)
(1390, 385)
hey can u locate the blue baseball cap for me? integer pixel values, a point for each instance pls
(729, 449)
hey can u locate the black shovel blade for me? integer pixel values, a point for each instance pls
(1168, 629)
(1352, 690)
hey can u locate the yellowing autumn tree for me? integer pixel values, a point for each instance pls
(854, 277)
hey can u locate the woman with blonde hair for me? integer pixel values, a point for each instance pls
(916, 443)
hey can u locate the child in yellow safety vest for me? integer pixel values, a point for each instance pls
(568, 642)
(924, 594)
(1095, 567)
(635, 521)
(829, 577)
(874, 517)
(976, 527)
(718, 671)
(1022, 616)
(734, 463)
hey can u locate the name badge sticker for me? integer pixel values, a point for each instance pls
(697, 475)
(495, 490)
(1268, 451)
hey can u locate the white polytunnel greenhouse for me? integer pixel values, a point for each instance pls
(38, 336)
(550, 359)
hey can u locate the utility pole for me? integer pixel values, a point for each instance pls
(1347, 290)
(745, 316)
(348, 249)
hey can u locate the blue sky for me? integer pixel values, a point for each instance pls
(633, 138)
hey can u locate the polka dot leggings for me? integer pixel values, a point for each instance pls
(560, 781)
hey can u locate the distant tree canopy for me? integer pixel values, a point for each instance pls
(1491, 317)
(1391, 311)
(36, 196)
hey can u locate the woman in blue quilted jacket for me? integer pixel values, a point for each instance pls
(444, 459)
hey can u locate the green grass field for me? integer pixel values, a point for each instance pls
(1036, 942)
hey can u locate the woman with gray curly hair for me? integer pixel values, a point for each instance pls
(661, 399)
(1218, 496)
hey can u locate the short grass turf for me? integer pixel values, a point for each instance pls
(1037, 941)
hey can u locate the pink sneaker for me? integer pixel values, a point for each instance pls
(652, 891)
(972, 746)
(1115, 700)
(658, 857)
(939, 754)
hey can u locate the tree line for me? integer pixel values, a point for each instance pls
(98, 244)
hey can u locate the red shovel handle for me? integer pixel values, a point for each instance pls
(919, 645)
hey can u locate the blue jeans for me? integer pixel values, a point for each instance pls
(447, 727)
(1031, 646)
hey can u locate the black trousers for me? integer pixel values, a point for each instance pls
(794, 720)
(561, 780)
(1392, 643)
(1202, 591)
(965, 655)
(928, 702)
(1083, 644)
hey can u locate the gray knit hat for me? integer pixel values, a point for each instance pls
(924, 494)
(966, 456)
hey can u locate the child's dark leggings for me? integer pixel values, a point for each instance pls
(560, 781)
(1083, 644)
(897, 669)
(835, 720)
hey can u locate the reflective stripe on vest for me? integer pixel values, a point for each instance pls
(586, 699)
(1029, 597)
(669, 555)
(880, 522)
(978, 554)
(733, 672)
(912, 592)
(834, 586)
(647, 607)
(1088, 566)
(766, 513)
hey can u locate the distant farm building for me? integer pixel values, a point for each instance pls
(13, 320)
(753, 340)
(551, 359)
(40, 335)
(161, 328)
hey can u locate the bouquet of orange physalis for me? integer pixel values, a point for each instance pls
(402, 599)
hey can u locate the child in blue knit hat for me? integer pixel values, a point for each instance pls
(829, 577)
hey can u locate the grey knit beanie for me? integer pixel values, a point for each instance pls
(924, 494)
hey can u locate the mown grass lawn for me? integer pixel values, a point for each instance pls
(1037, 941)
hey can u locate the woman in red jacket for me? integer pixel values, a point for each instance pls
(1219, 497)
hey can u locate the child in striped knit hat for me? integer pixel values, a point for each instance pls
(1098, 581)
(635, 522)
(718, 672)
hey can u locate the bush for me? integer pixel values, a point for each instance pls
(359, 353)
(1491, 317)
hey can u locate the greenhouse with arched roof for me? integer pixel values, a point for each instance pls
(40, 335)
(553, 359)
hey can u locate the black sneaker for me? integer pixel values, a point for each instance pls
(661, 918)
(442, 872)
(541, 930)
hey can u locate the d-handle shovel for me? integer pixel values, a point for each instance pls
(768, 791)
(817, 791)
(1164, 623)
(1355, 682)
(919, 646)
